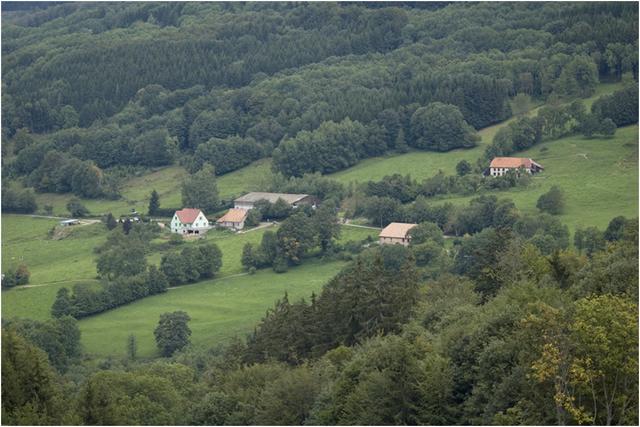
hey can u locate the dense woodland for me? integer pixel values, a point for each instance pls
(317, 86)
(511, 321)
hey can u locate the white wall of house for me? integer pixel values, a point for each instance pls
(503, 171)
(232, 225)
(200, 224)
(394, 241)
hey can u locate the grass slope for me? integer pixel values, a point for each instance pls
(425, 164)
(57, 263)
(219, 309)
(599, 177)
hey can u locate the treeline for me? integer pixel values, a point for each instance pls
(302, 232)
(191, 264)
(393, 86)
(88, 299)
(404, 189)
(382, 346)
(552, 122)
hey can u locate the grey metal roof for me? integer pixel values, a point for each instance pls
(271, 197)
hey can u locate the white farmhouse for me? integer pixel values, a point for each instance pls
(501, 165)
(189, 221)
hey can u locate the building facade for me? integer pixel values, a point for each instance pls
(189, 221)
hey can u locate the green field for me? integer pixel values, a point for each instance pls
(425, 164)
(599, 177)
(220, 309)
(57, 263)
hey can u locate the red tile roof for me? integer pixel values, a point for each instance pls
(234, 215)
(188, 215)
(511, 162)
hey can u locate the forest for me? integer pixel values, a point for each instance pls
(492, 315)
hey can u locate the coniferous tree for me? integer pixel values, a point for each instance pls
(154, 203)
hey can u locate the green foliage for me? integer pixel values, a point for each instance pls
(463, 168)
(441, 127)
(331, 147)
(58, 338)
(191, 264)
(200, 190)
(621, 106)
(30, 390)
(16, 276)
(63, 305)
(172, 333)
(19, 201)
(254, 216)
(110, 398)
(552, 201)
(578, 78)
(132, 347)
(76, 208)
(154, 203)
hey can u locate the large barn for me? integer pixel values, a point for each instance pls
(250, 199)
(501, 165)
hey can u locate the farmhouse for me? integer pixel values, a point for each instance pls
(500, 165)
(189, 221)
(396, 233)
(248, 200)
(233, 219)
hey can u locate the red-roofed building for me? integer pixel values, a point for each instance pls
(189, 221)
(501, 165)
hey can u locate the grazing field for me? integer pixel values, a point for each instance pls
(57, 263)
(25, 239)
(425, 164)
(599, 177)
(167, 182)
(220, 309)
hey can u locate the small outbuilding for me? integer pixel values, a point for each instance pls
(396, 233)
(69, 222)
(189, 221)
(233, 219)
(501, 165)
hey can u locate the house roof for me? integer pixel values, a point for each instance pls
(513, 162)
(188, 215)
(234, 215)
(396, 230)
(271, 197)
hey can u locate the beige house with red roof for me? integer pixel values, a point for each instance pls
(501, 165)
(396, 233)
(189, 221)
(233, 219)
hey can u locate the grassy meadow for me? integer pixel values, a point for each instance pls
(57, 263)
(220, 309)
(599, 177)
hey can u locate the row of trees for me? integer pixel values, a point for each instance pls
(296, 237)
(88, 299)
(191, 264)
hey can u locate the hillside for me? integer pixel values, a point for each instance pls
(396, 278)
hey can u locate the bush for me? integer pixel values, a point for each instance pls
(76, 208)
(552, 201)
(16, 277)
